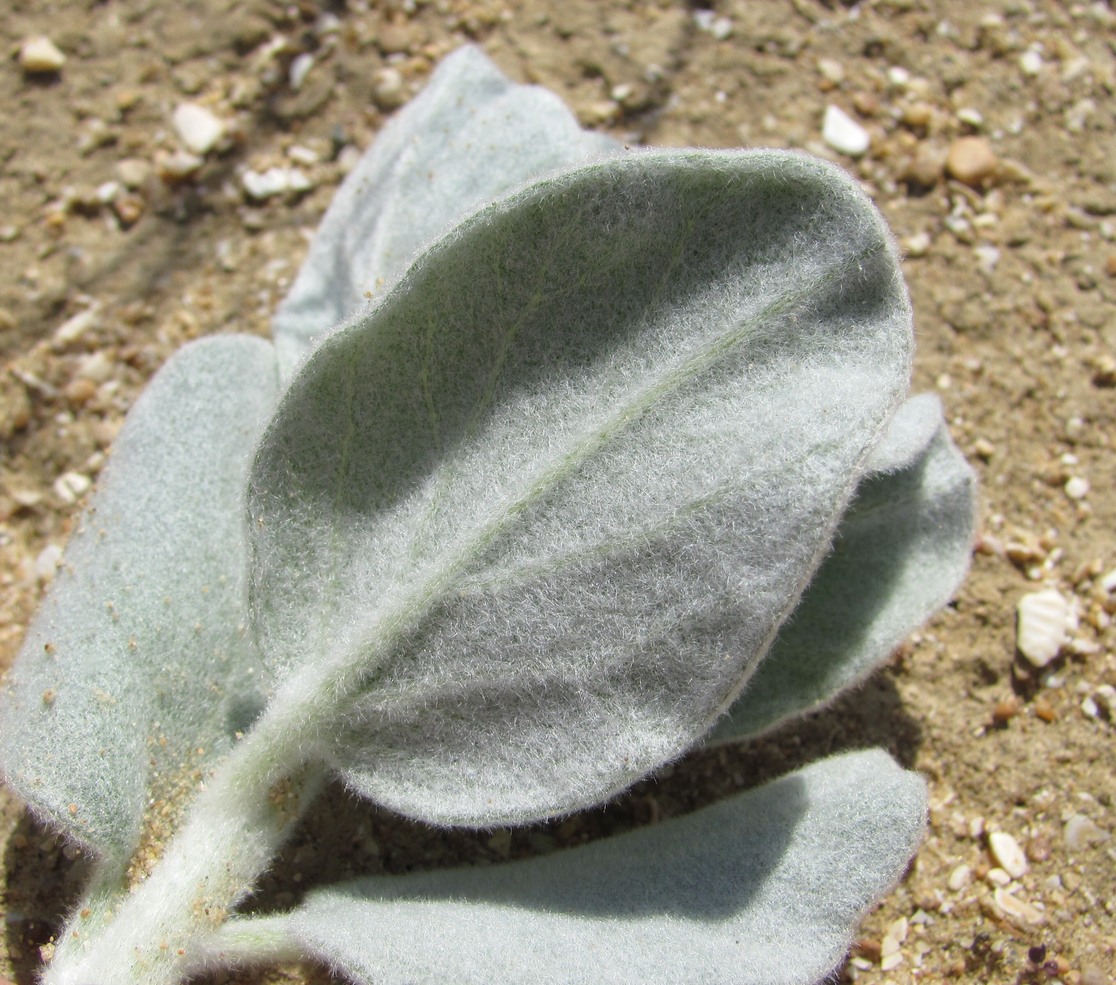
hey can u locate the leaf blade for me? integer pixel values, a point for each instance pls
(587, 544)
(900, 552)
(469, 137)
(137, 643)
(761, 889)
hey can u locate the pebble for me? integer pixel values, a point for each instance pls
(300, 68)
(1016, 910)
(274, 181)
(1030, 62)
(133, 172)
(926, 166)
(708, 21)
(918, 115)
(40, 56)
(80, 391)
(76, 326)
(97, 366)
(388, 89)
(1077, 487)
(831, 70)
(960, 878)
(841, 132)
(71, 486)
(177, 166)
(1043, 619)
(1007, 852)
(1081, 832)
(971, 161)
(199, 129)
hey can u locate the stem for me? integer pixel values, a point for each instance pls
(248, 940)
(168, 926)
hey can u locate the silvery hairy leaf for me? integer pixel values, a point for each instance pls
(759, 889)
(136, 671)
(540, 513)
(902, 548)
(468, 137)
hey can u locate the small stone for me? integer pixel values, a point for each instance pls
(898, 77)
(841, 132)
(831, 70)
(303, 155)
(177, 166)
(1044, 710)
(918, 115)
(97, 366)
(388, 89)
(40, 56)
(926, 166)
(1043, 621)
(971, 161)
(891, 962)
(76, 326)
(71, 486)
(300, 68)
(1077, 487)
(1006, 851)
(1104, 371)
(1004, 711)
(997, 876)
(1081, 832)
(1018, 911)
(1030, 62)
(395, 38)
(959, 878)
(970, 117)
(199, 129)
(129, 208)
(133, 172)
(80, 392)
(274, 181)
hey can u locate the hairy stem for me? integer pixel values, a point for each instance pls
(168, 926)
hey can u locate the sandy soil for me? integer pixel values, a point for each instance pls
(112, 255)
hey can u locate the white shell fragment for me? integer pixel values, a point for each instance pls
(199, 129)
(1006, 851)
(40, 55)
(1043, 621)
(841, 132)
(1081, 832)
(1018, 911)
(274, 181)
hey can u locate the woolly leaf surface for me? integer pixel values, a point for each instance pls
(469, 137)
(901, 550)
(764, 888)
(137, 654)
(527, 525)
